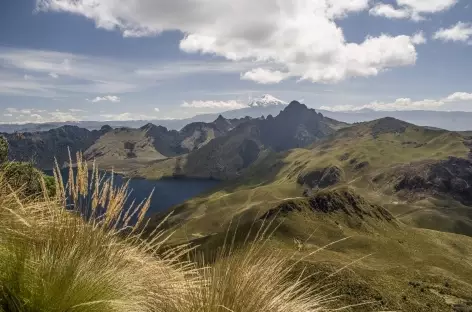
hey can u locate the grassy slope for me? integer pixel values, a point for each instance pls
(395, 266)
(53, 260)
(407, 269)
(402, 258)
(273, 177)
(113, 146)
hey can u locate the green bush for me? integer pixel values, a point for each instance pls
(3, 150)
(23, 176)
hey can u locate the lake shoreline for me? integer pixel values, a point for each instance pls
(168, 191)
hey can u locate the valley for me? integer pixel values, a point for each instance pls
(387, 198)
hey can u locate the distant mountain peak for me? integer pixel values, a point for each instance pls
(220, 118)
(265, 101)
(295, 106)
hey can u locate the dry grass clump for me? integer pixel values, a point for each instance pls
(51, 260)
(91, 256)
(256, 279)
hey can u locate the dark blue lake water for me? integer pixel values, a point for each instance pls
(167, 192)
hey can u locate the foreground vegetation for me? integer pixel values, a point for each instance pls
(81, 249)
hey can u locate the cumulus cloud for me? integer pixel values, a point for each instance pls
(406, 103)
(214, 104)
(279, 34)
(460, 32)
(264, 76)
(53, 75)
(427, 6)
(109, 98)
(419, 38)
(411, 9)
(388, 11)
(156, 109)
(459, 96)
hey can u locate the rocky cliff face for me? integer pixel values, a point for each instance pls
(147, 143)
(42, 147)
(296, 126)
(451, 177)
(227, 156)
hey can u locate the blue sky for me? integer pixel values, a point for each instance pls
(65, 60)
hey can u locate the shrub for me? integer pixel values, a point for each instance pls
(26, 179)
(3, 150)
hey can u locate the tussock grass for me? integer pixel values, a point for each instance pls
(82, 250)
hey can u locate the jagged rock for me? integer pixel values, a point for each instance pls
(227, 156)
(321, 178)
(388, 125)
(361, 165)
(43, 147)
(451, 177)
(335, 201)
(296, 126)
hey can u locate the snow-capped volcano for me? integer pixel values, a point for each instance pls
(265, 101)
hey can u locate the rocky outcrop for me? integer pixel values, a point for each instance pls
(321, 178)
(343, 201)
(451, 177)
(388, 125)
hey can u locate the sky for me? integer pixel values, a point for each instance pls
(70, 60)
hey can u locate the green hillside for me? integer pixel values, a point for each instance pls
(361, 156)
(349, 185)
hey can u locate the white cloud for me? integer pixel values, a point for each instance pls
(411, 9)
(264, 76)
(30, 115)
(23, 110)
(340, 108)
(388, 11)
(76, 110)
(427, 6)
(459, 32)
(459, 96)
(109, 98)
(156, 109)
(214, 104)
(27, 77)
(128, 116)
(54, 75)
(278, 34)
(60, 116)
(405, 103)
(419, 38)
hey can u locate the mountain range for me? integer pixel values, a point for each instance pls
(269, 105)
(399, 192)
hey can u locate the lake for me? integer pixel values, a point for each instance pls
(167, 192)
